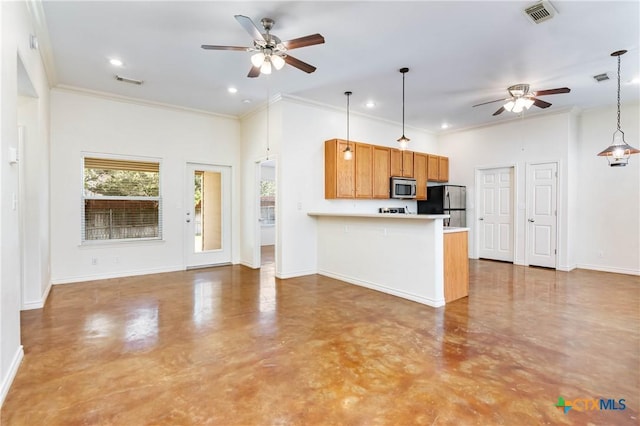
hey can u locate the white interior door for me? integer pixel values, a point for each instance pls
(495, 214)
(208, 215)
(542, 214)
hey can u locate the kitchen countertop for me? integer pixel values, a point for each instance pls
(451, 229)
(384, 215)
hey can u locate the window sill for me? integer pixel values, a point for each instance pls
(120, 243)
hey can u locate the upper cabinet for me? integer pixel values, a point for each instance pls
(401, 163)
(420, 162)
(367, 174)
(438, 168)
(339, 174)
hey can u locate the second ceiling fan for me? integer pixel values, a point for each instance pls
(520, 98)
(269, 50)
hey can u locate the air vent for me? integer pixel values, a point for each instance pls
(128, 80)
(540, 12)
(601, 77)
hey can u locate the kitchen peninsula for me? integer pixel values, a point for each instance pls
(398, 254)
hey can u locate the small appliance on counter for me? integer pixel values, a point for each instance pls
(398, 210)
(446, 199)
(402, 187)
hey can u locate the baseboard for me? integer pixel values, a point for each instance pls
(294, 274)
(609, 269)
(373, 286)
(7, 380)
(249, 265)
(566, 268)
(37, 304)
(70, 280)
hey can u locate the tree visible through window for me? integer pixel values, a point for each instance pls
(121, 199)
(268, 202)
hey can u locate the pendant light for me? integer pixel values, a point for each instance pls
(619, 151)
(348, 154)
(403, 141)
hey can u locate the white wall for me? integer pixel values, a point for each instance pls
(591, 194)
(82, 122)
(608, 235)
(16, 26)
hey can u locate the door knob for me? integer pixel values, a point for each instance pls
(531, 220)
(481, 218)
(188, 220)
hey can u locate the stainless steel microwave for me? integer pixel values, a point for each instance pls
(403, 187)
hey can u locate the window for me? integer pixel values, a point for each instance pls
(267, 202)
(121, 200)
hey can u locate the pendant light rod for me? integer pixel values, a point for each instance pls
(403, 141)
(348, 154)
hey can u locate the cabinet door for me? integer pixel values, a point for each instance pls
(339, 174)
(456, 266)
(420, 173)
(381, 171)
(396, 162)
(432, 168)
(443, 169)
(364, 170)
(407, 163)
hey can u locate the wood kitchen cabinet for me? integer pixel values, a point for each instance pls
(381, 171)
(339, 174)
(438, 168)
(420, 162)
(401, 163)
(363, 159)
(456, 265)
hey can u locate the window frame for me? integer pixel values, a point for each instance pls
(84, 197)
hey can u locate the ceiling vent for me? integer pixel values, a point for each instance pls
(601, 77)
(540, 12)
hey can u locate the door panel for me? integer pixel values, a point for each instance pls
(542, 218)
(208, 215)
(495, 214)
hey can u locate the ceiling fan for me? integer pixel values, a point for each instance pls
(269, 49)
(520, 98)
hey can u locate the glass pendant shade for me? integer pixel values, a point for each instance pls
(348, 154)
(619, 151)
(277, 61)
(257, 59)
(266, 66)
(403, 143)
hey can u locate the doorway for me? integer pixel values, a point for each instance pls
(496, 213)
(267, 218)
(208, 215)
(542, 184)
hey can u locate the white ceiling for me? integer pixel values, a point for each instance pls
(460, 53)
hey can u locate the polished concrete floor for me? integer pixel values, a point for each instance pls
(234, 346)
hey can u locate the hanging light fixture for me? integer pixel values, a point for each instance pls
(403, 141)
(348, 154)
(619, 151)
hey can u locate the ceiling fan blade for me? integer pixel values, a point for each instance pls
(552, 91)
(499, 111)
(299, 64)
(309, 40)
(540, 103)
(254, 72)
(250, 27)
(490, 102)
(212, 47)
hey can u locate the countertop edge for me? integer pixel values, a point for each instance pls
(382, 215)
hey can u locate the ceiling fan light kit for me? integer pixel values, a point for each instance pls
(403, 141)
(270, 51)
(619, 151)
(521, 99)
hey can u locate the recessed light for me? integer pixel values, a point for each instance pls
(115, 62)
(232, 90)
(444, 126)
(246, 101)
(635, 80)
(370, 104)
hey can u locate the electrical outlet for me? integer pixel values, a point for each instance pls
(94, 261)
(116, 259)
(600, 254)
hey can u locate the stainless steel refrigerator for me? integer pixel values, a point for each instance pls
(446, 199)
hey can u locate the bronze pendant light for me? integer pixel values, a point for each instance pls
(403, 141)
(619, 151)
(348, 154)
